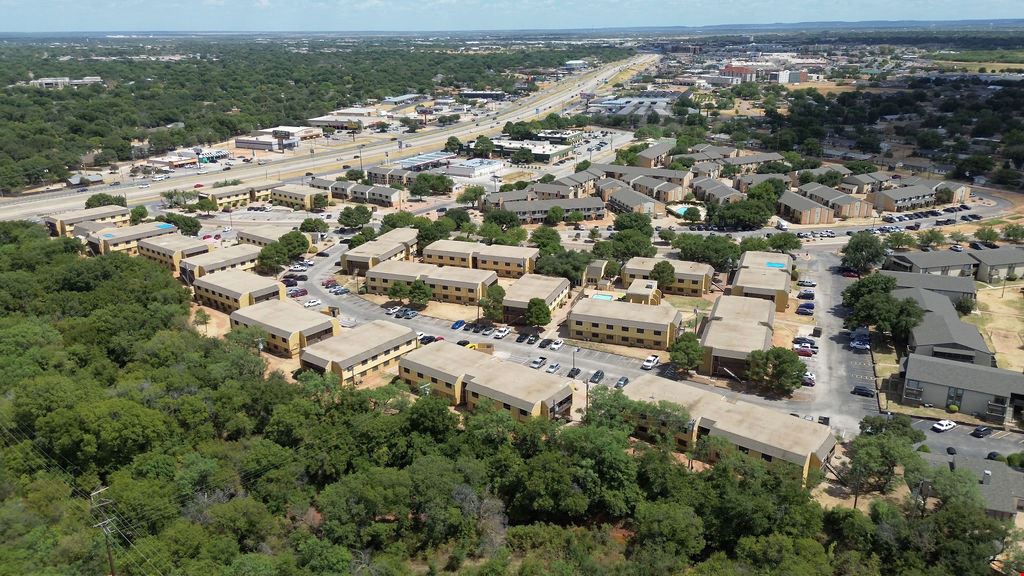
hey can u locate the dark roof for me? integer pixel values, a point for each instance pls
(995, 381)
(999, 256)
(935, 282)
(927, 300)
(1004, 487)
(798, 202)
(937, 328)
(936, 259)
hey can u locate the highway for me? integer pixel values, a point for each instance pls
(546, 101)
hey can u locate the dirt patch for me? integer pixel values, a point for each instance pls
(1000, 319)
(218, 325)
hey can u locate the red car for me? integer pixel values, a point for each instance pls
(850, 274)
(803, 351)
(329, 282)
(198, 186)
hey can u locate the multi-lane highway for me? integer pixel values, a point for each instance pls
(544, 102)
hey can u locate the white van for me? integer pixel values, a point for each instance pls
(782, 225)
(160, 178)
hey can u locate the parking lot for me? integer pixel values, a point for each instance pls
(960, 439)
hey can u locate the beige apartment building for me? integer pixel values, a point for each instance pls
(230, 290)
(357, 352)
(397, 244)
(295, 196)
(468, 377)
(625, 323)
(238, 195)
(63, 224)
(169, 250)
(506, 261)
(735, 327)
(125, 240)
(765, 275)
(553, 291)
(237, 257)
(692, 278)
(448, 283)
(643, 292)
(288, 327)
(261, 235)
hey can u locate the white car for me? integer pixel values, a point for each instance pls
(556, 345)
(552, 368)
(392, 310)
(943, 426)
(312, 303)
(201, 172)
(651, 362)
(502, 332)
(143, 185)
(420, 335)
(226, 229)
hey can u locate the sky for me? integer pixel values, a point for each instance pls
(426, 15)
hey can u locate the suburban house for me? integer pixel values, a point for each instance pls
(735, 327)
(357, 352)
(468, 377)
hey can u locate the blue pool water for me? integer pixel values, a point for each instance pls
(775, 264)
(603, 297)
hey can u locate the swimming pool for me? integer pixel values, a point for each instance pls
(603, 297)
(774, 264)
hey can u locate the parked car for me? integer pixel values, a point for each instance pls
(807, 283)
(545, 343)
(290, 282)
(809, 379)
(427, 339)
(312, 303)
(463, 342)
(806, 295)
(981, 432)
(951, 451)
(553, 367)
(807, 305)
(538, 362)
(478, 328)
(410, 314)
(522, 338)
(956, 248)
(805, 311)
(992, 456)
(573, 372)
(487, 331)
(621, 382)
(532, 339)
(395, 310)
(596, 377)
(850, 274)
(468, 326)
(863, 391)
(502, 332)
(806, 352)
(650, 362)
(803, 340)
(860, 345)
(943, 426)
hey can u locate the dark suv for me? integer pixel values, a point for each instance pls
(597, 377)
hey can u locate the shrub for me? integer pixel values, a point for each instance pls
(953, 408)
(924, 448)
(1011, 277)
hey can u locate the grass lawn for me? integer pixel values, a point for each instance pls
(1001, 322)
(687, 303)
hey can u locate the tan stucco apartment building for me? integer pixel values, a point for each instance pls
(237, 195)
(126, 239)
(397, 244)
(764, 275)
(237, 257)
(288, 326)
(625, 323)
(359, 351)
(464, 376)
(169, 250)
(506, 261)
(553, 291)
(448, 283)
(261, 235)
(756, 431)
(230, 290)
(295, 196)
(735, 327)
(63, 224)
(692, 278)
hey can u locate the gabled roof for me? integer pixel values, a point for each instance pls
(938, 328)
(798, 202)
(936, 259)
(999, 256)
(934, 282)
(941, 371)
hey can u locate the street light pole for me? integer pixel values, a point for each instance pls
(361, 157)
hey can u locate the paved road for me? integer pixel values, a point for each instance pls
(546, 101)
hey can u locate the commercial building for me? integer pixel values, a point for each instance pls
(506, 261)
(107, 240)
(230, 290)
(561, 136)
(542, 151)
(288, 326)
(942, 262)
(799, 209)
(340, 121)
(447, 283)
(265, 142)
(989, 393)
(294, 132)
(756, 431)
(170, 249)
(625, 323)
(997, 264)
(465, 376)
(475, 168)
(397, 244)
(426, 161)
(237, 257)
(692, 278)
(533, 211)
(63, 224)
(359, 351)
(240, 195)
(553, 291)
(295, 196)
(656, 155)
(735, 327)
(842, 205)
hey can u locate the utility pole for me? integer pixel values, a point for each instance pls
(95, 503)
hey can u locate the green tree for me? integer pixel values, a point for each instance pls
(354, 174)
(583, 165)
(295, 244)
(554, 216)
(502, 218)
(205, 205)
(537, 312)
(452, 145)
(522, 156)
(313, 225)
(547, 178)
(1014, 232)
(755, 244)
(957, 237)
(634, 221)
(667, 535)
(900, 240)
(104, 199)
(986, 234)
(470, 195)
(778, 370)
(863, 252)
(138, 214)
(493, 303)
(187, 225)
(930, 237)
(664, 274)
(420, 293)
(666, 235)
(692, 214)
(547, 240)
(686, 352)
(869, 285)
(201, 318)
(483, 147)
(575, 217)
(271, 258)
(354, 216)
(784, 242)
(320, 202)
(398, 291)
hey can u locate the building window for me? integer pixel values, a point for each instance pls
(507, 407)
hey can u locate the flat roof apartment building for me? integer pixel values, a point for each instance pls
(390, 175)
(230, 290)
(472, 378)
(692, 278)
(288, 326)
(237, 257)
(553, 291)
(397, 244)
(169, 250)
(506, 261)
(764, 275)
(126, 239)
(238, 195)
(63, 224)
(359, 351)
(448, 283)
(356, 192)
(754, 430)
(295, 196)
(261, 235)
(735, 327)
(625, 323)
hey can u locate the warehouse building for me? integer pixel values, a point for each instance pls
(625, 323)
(735, 327)
(237, 257)
(63, 224)
(692, 278)
(468, 377)
(553, 291)
(397, 244)
(357, 352)
(288, 326)
(230, 290)
(169, 250)
(124, 240)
